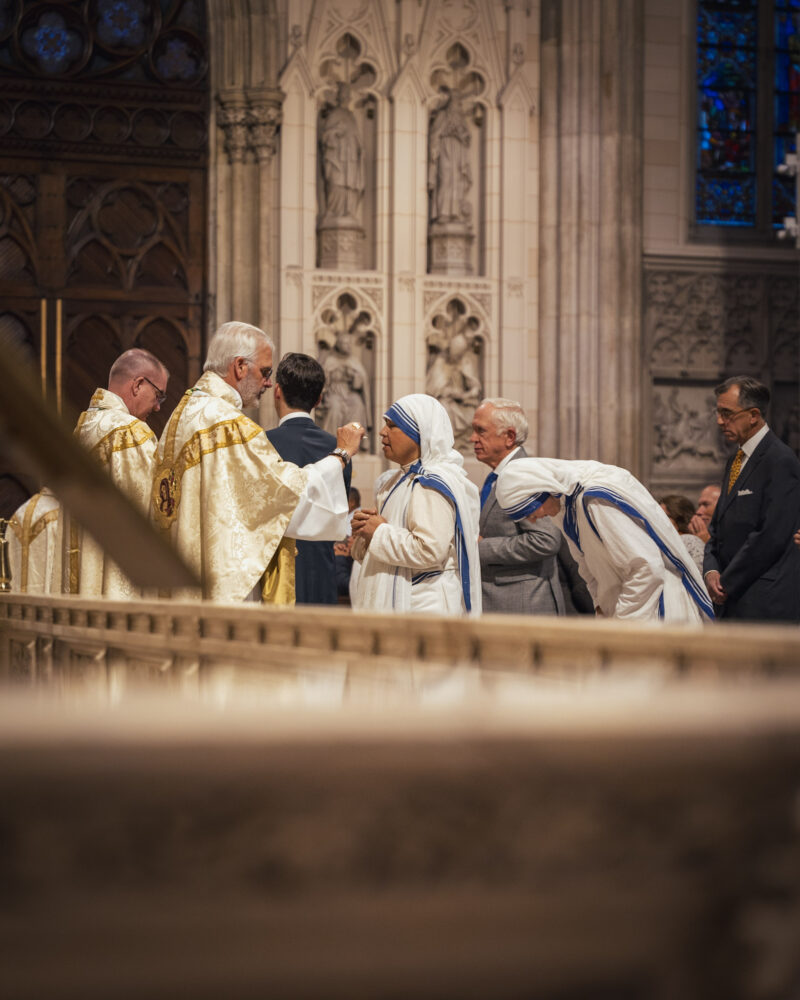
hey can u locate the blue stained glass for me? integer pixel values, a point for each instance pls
(54, 46)
(726, 30)
(723, 201)
(783, 199)
(727, 40)
(177, 62)
(121, 22)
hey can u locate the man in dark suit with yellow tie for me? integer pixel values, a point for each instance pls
(751, 567)
(299, 381)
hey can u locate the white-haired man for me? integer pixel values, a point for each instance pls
(519, 565)
(221, 493)
(114, 431)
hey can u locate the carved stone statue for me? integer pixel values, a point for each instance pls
(449, 173)
(346, 394)
(453, 377)
(341, 157)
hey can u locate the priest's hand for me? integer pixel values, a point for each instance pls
(366, 522)
(349, 437)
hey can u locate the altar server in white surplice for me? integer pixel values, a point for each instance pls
(631, 557)
(114, 432)
(419, 547)
(34, 545)
(221, 493)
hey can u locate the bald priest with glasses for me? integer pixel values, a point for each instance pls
(114, 431)
(751, 567)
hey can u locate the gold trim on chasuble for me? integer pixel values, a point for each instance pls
(132, 435)
(27, 535)
(277, 582)
(166, 492)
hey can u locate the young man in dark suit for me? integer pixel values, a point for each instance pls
(299, 381)
(751, 567)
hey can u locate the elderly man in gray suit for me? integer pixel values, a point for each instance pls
(519, 565)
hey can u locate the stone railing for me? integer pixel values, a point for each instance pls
(312, 655)
(505, 844)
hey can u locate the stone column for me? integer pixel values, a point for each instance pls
(233, 118)
(590, 249)
(264, 119)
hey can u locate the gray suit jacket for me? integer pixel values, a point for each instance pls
(519, 567)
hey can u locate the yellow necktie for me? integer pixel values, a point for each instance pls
(736, 468)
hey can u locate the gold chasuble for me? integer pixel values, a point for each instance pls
(125, 446)
(34, 546)
(224, 498)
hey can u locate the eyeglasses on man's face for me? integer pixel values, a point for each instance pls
(160, 394)
(266, 373)
(726, 415)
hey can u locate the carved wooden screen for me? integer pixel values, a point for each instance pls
(103, 151)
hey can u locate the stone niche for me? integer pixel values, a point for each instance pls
(345, 336)
(346, 154)
(455, 341)
(456, 168)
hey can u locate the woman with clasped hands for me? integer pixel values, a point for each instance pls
(418, 547)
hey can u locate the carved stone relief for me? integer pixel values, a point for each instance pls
(346, 334)
(455, 342)
(701, 328)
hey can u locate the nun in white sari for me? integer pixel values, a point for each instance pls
(419, 548)
(631, 557)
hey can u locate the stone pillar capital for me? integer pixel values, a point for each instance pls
(263, 121)
(232, 118)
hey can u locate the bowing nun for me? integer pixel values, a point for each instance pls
(631, 557)
(418, 548)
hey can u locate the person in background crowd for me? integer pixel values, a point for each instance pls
(680, 510)
(706, 505)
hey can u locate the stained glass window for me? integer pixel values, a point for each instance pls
(748, 111)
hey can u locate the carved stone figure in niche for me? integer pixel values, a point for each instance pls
(345, 156)
(453, 377)
(454, 137)
(449, 172)
(341, 156)
(346, 332)
(346, 393)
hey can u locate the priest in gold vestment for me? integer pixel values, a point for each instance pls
(34, 545)
(221, 493)
(113, 430)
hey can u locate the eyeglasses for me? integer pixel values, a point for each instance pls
(266, 373)
(726, 415)
(160, 395)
